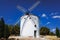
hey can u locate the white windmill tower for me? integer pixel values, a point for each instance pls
(29, 24)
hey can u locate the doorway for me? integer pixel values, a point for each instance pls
(35, 31)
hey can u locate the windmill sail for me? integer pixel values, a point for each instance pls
(28, 24)
(31, 8)
(21, 8)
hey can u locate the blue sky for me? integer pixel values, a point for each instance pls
(48, 11)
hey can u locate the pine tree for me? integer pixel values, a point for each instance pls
(57, 32)
(2, 26)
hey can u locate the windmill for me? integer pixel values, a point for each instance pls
(29, 24)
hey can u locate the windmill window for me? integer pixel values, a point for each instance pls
(24, 18)
(30, 17)
(35, 25)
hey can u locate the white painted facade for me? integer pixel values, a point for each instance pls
(27, 26)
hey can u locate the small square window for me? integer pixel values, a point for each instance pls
(35, 25)
(30, 17)
(24, 18)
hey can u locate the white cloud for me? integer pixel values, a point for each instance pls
(43, 15)
(56, 17)
(47, 23)
(53, 13)
(53, 30)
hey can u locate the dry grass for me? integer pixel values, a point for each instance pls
(51, 37)
(30, 38)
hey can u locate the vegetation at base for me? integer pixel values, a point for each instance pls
(7, 30)
(57, 32)
(44, 31)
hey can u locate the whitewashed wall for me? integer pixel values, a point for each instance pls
(28, 28)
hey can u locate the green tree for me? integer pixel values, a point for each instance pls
(2, 26)
(0, 29)
(44, 31)
(16, 30)
(6, 31)
(51, 33)
(57, 32)
(10, 27)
